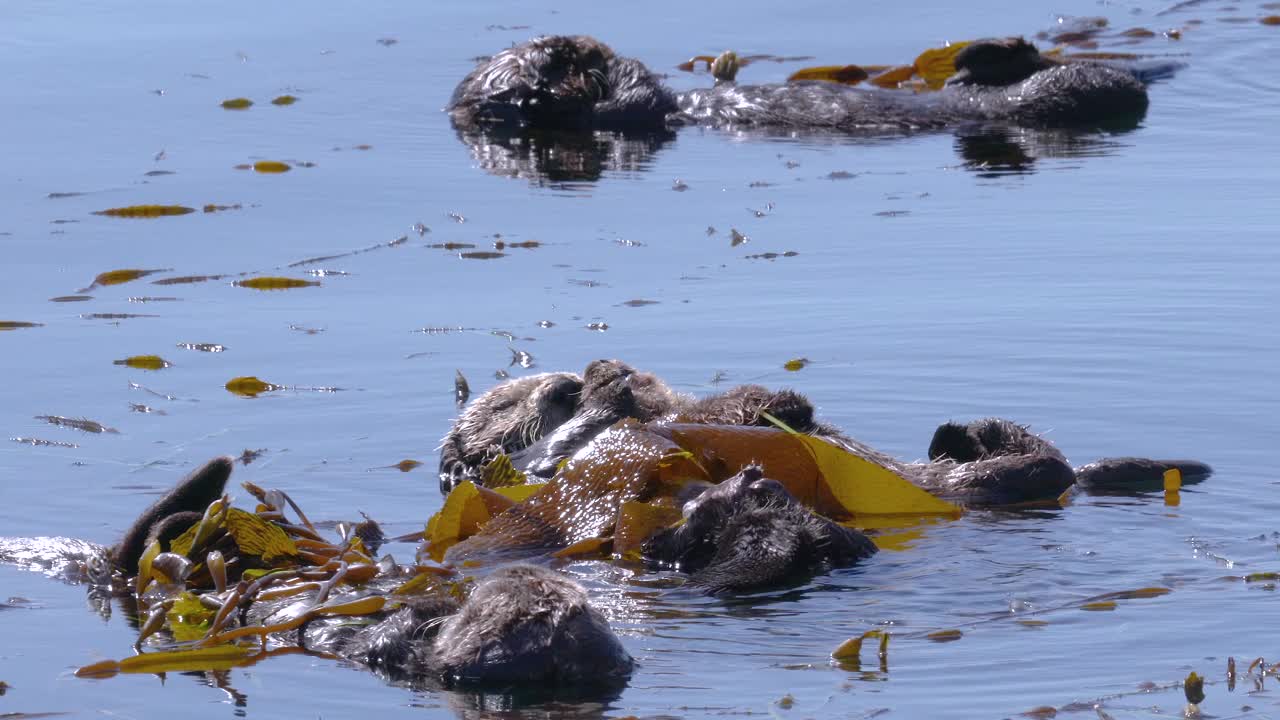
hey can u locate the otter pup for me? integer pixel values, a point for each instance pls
(998, 62)
(522, 625)
(579, 83)
(1011, 444)
(509, 417)
(749, 533)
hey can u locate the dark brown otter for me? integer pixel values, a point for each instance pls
(749, 533)
(523, 625)
(577, 82)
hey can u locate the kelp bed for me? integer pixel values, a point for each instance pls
(230, 589)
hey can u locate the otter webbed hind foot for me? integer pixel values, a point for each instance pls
(1134, 475)
(173, 513)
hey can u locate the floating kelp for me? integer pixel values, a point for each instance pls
(120, 277)
(379, 246)
(237, 104)
(275, 283)
(82, 424)
(146, 211)
(283, 100)
(203, 347)
(220, 208)
(38, 442)
(843, 74)
(114, 316)
(271, 166)
(17, 325)
(144, 362)
(71, 298)
(250, 386)
(187, 279)
(795, 364)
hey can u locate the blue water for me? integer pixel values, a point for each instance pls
(1116, 292)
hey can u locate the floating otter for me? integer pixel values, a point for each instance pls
(521, 625)
(748, 533)
(541, 420)
(579, 83)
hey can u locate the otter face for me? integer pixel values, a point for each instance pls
(997, 62)
(563, 83)
(749, 532)
(506, 419)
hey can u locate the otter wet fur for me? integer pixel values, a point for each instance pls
(508, 418)
(521, 625)
(579, 83)
(749, 533)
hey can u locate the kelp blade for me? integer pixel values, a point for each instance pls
(146, 211)
(275, 283)
(865, 488)
(843, 74)
(935, 65)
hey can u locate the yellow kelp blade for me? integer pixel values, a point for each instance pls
(465, 512)
(893, 77)
(935, 65)
(221, 657)
(865, 488)
(637, 522)
(843, 74)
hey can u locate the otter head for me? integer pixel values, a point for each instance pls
(561, 82)
(1002, 61)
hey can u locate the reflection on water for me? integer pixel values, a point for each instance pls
(557, 157)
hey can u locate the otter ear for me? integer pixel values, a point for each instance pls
(192, 494)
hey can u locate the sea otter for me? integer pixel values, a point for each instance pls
(579, 83)
(749, 533)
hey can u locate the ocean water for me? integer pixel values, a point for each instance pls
(1117, 292)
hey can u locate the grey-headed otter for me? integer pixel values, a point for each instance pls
(578, 82)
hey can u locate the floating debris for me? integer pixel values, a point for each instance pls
(219, 208)
(71, 298)
(150, 298)
(324, 258)
(481, 255)
(187, 279)
(114, 316)
(203, 347)
(893, 213)
(403, 466)
(149, 391)
(275, 283)
(679, 185)
(461, 390)
(82, 424)
(456, 217)
(546, 324)
(598, 326)
(146, 211)
(146, 409)
(249, 456)
(37, 442)
(521, 358)
(736, 238)
(306, 330)
(638, 302)
(771, 255)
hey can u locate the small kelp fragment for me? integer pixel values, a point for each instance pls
(481, 255)
(211, 208)
(1140, 593)
(1099, 606)
(843, 74)
(144, 362)
(219, 657)
(114, 316)
(275, 283)
(71, 298)
(795, 364)
(284, 100)
(16, 324)
(37, 442)
(406, 465)
(1032, 623)
(186, 279)
(256, 536)
(941, 636)
(1262, 577)
(1270, 20)
(237, 104)
(119, 277)
(271, 166)
(250, 386)
(1044, 712)
(146, 211)
(850, 650)
(1193, 689)
(82, 424)
(499, 473)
